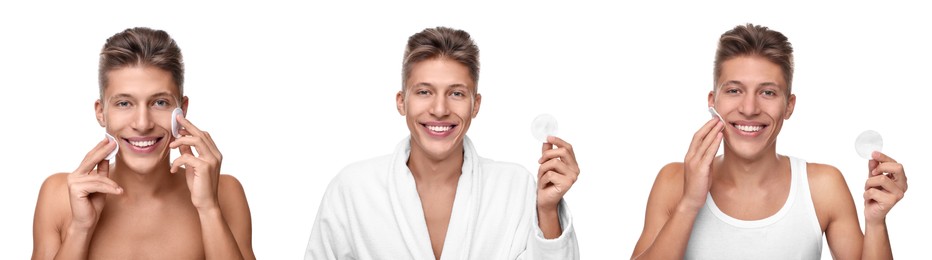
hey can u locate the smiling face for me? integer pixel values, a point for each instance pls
(752, 99)
(136, 109)
(439, 102)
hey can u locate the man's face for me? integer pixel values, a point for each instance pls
(752, 99)
(439, 102)
(136, 109)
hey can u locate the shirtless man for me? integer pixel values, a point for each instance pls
(435, 198)
(144, 206)
(752, 203)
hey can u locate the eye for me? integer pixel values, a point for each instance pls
(458, 94)
(732, 91)
(161, 103)
(122, 103)
(769, 92)
(422, 92)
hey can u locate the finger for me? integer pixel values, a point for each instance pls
(881, 157)
(694, 145)
(557, 181)
(546, 147)
(885, 199)
(191, 129)
(103, 168)
(709, 141)
(871, 165)
(894, 169)
(560, 143)
(102, 185)
(197, 142)
(559, 153)
(184, 160)
(712, 149)
(883, 183)
(95, 155)
(556, 166)
(212, 145)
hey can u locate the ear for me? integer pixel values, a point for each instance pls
(711, 98)
(99, 112)
(184, 106)
(790, 106)
(400, 102)
(475, 105)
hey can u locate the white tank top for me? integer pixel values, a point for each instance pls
(791, 233)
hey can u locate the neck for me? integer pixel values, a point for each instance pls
(445, 170)
(155, 182)
(748, 171)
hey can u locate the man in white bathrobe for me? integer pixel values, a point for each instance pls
(434, 197)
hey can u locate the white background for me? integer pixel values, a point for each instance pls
(294, 92)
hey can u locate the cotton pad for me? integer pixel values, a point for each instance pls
(544, 125)
(176, 126)
(715, 114)
(868, 142)
(115, 150)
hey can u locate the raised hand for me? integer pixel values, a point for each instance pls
(202, 171)
(698, 163)
(88, 187)
(885, 186)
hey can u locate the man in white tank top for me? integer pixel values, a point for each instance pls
(752, 203)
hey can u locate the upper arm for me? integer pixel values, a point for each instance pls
(835, 209)
(664, 195)
(235, 211)
(51, 208)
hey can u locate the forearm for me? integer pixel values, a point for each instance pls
(671, 241)
(76, 243)
(218, 240)
(876, 242)
(548, 220)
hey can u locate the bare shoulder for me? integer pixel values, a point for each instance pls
(671, 175)
(825, 179)
(668, 186)
(830, 195)
(230, 189)
(53, 196)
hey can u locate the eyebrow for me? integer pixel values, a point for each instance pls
(425, 84)
(124, 95)
(735, 82)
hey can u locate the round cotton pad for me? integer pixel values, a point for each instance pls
(544, 125)
(868, 142)
(175, 125)
(715, 114)
(115, 150)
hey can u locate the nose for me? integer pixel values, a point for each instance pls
(439, 106)
(750, 106)
(143, 120)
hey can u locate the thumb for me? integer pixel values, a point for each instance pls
(103, 168)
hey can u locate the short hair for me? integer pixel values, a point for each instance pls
(755, 40)
(141, 47)
(441, 42)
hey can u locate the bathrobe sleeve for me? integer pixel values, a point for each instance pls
(563, 247)
(329, 235)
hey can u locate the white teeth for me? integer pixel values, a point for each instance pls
(142, 144)
(437, 128)
(749, 128)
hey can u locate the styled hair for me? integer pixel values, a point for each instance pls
(755, 40)
(441, 42)
(140, 47)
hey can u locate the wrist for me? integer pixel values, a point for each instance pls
(79, 231)
(875, 225)
(689, 207)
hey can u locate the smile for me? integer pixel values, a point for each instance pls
(748, 128)
(142, 144)
(439, 129)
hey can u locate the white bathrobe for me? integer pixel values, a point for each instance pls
(371, 210)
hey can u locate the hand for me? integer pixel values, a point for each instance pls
(88, 187)
(202, 171)
(557, 173)
(885, 186)
(698, 163)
